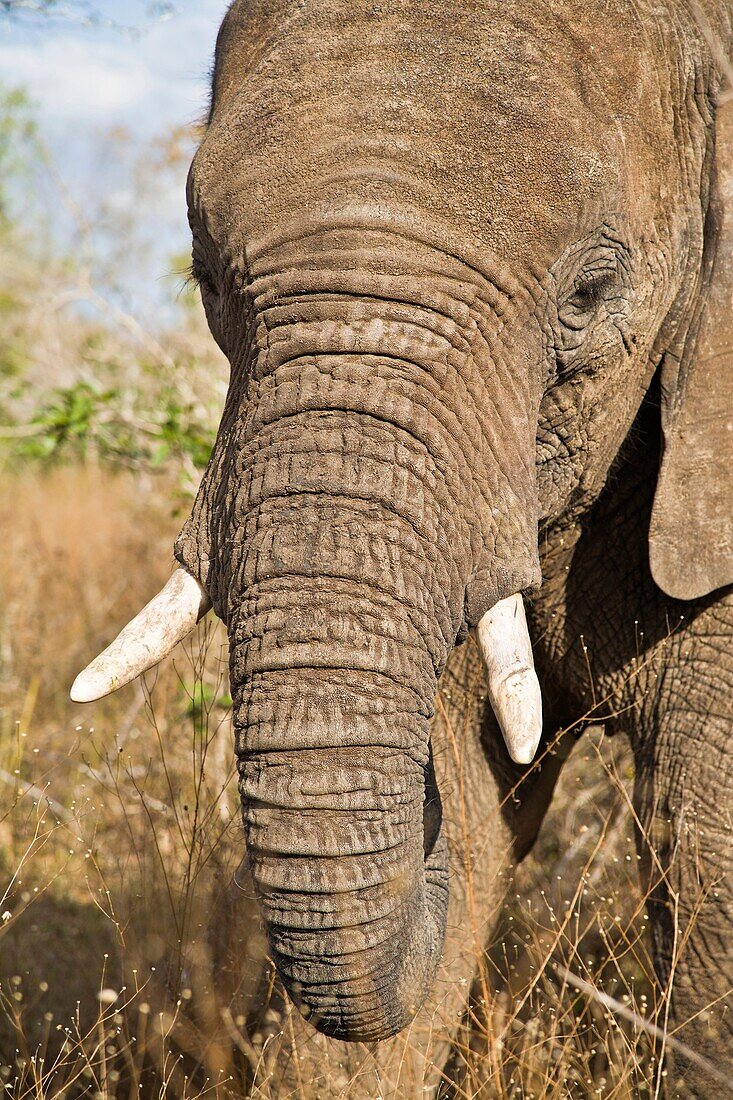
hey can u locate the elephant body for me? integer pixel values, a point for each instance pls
(633, 675)
(660, 671)
(472, 266)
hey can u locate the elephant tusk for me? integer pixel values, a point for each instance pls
(514, 690)
(152, 634)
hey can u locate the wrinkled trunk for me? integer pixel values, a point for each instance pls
(335, 644)
(358, 514)
(333, 702)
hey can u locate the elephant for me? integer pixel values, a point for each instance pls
(472, 267)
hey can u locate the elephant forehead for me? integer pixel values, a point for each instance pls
(451, 110)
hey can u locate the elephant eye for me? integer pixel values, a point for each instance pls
(592, 298)
(209, 293)
(200, 276)
(209, 289)
(200, 272)
(590, 289)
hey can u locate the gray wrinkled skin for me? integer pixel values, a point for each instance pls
(458, 255)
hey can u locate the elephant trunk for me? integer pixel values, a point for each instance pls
(334, 695)
(347, 532)
(335, 642)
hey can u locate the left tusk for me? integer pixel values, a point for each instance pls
(162, 624)
(514, 690)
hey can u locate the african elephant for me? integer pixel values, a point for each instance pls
(472, 267)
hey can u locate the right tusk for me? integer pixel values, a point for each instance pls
(162, 624)
(514, 690)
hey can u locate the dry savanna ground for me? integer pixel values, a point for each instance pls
(119, 836)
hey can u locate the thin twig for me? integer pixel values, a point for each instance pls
(644, 1025)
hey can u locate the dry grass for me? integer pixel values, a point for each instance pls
(569, 981)
(118, 844)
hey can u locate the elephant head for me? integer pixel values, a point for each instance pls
(445, 247)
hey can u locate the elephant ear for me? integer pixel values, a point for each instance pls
(691, 531)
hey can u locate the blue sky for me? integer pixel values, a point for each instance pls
(86, 80)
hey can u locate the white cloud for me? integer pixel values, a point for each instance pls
(146, 82)
(86, 81)
(70, 78)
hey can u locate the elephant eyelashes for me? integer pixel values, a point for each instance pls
(200, 270)
(210, 295)
(202, 279)
(590, 290)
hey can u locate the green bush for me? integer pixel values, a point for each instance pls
(81, 378)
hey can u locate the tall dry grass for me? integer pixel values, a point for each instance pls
(120, 842)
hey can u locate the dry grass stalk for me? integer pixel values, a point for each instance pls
(120, 840)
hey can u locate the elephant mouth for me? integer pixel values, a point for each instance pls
(502, 636)
(330, 536)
